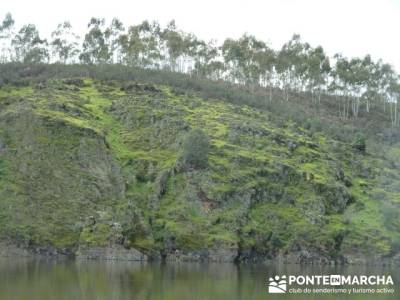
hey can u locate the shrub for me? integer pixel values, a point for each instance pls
(196, 147)
(360, 143)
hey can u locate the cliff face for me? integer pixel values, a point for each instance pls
(92, 165)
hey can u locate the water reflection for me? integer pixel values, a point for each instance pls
(24, 279)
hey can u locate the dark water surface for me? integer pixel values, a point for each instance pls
(22, 279)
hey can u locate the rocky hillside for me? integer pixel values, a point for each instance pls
(87, 164)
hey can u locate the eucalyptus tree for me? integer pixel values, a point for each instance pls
(28, 46)
(243, 58)
(267, 60)
(207, 61)
(6, 33)
(283, 68)
(357, 83)
(317, 71)
(132, 48)
(191, 47)
(291, 64)
(394, 98)
(95, 47)
(111, 36)
(64, 43)
(173, 46)
(254, 59)
(150, 36)
(369, 77)
(371, 94)
(233, 57)
(140, 46)
(353, 78)
(339, 84)
(204, 54)
(385, 74)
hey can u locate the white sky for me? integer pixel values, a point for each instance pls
(352, 27)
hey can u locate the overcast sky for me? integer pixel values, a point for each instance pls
(352, 27)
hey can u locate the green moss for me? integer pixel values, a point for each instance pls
(12, 91)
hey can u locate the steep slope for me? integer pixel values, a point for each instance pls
(86, 163)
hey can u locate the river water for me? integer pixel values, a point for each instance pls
(25, 279)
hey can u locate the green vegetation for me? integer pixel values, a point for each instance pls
(356, 86)
(360, 143)
(162, 142)
(94, 161)
(195, 149)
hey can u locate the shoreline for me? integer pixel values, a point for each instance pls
(120, 254)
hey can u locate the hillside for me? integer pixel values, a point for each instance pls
(89, 163)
